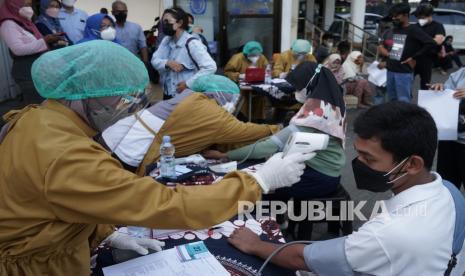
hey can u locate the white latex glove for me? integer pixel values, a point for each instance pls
(241, 76)
(279, 172)
(140, 245)
(282, 75)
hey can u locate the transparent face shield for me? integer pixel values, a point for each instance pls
(228, 101)
(116, 117)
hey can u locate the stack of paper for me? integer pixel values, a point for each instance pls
(444, 109)
(189, 259)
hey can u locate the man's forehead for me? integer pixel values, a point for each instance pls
(371, 146)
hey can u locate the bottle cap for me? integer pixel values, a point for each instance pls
(166, 139)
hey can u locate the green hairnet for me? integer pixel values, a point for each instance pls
(301, 46)
(89, 70)
(252, 47)
(215, 83)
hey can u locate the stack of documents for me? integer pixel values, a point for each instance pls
(188, 259)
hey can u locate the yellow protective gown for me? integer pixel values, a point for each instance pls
(197, 123)
(61, 192)
(238, 63)
(285, 60)
(236, 66)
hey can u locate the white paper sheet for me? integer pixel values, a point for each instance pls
(444, 109)
(377, 76)
(167, 263)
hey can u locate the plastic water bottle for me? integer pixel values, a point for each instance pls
(268, 74)
(167, 164)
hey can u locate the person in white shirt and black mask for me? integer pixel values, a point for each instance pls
(396, 143)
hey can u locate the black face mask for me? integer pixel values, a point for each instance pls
(167, 29)
(121, 17)
(397, 23)
(374, 181)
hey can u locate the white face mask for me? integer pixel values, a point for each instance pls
(330, 44)
(301, 95)
(422, 22)
(26, 12)
(53, 12)
(108, 34)
(254, 59)
(68, 3)
(229, 107)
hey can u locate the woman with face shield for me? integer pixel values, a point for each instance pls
(301, 50)
(323, 111)
(251, 56)
(195, 121)
(99, 26)
(180, 57)
(62, 191)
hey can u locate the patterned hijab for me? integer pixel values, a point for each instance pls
(324, 108)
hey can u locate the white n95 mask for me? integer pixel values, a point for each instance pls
(68, 3)
(254, 59)
(108, 34)
(26, 12)
(422, 22)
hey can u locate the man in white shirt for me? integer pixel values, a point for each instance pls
(396, 143)
(72, 20)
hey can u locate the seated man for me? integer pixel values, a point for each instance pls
(193, 120)
(396, 143)
(300, 51)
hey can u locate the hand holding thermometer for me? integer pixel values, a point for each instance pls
(305, 142)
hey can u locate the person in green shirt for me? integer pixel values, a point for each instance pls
(323, 111)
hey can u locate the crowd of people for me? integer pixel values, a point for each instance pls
(75, 164)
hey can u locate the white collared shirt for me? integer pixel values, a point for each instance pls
(414, 237)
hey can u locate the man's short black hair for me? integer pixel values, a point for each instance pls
(178, 14)
(327, 36)
(404, 130)
(343, 47)
(401, 8)
(424, 10)
(104, 10)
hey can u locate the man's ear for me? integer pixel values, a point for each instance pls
(415, 165)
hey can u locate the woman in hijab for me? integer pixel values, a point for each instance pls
(194, 120)
(451, 154)
(48, 23)
(25, 42)
(323, 111)
(62, 192)
(356, 84)
(334, 64)
(251, 56)
(99, 26)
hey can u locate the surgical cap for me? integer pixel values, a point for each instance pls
(301, 46)
(215, 83)
(89, 70)
(252, 47)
